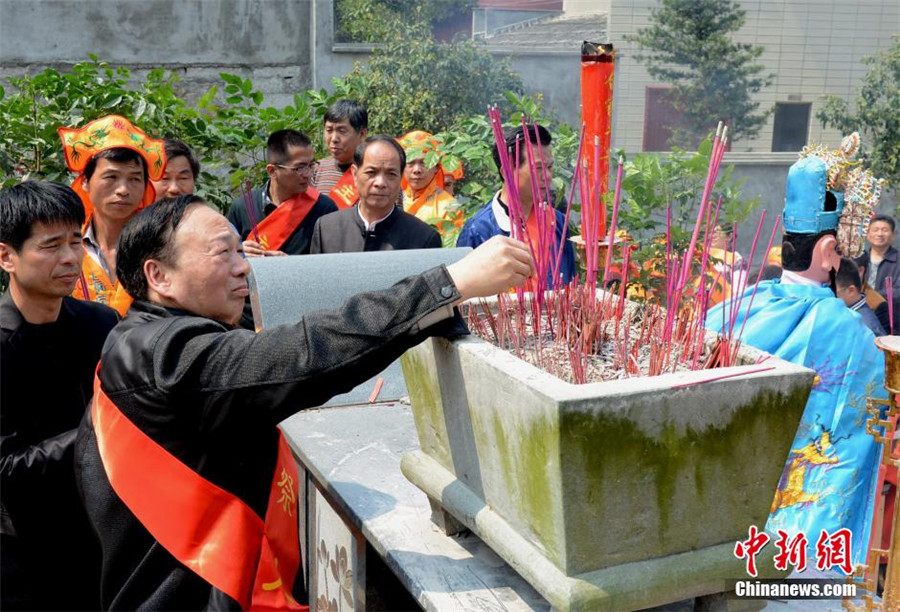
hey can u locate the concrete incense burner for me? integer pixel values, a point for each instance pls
(605, 496)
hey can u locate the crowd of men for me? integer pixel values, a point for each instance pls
(125, 287)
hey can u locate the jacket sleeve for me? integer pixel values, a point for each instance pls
(26, 463)
(315, 244)
(281, 370)
(234, 216)
(434, 240)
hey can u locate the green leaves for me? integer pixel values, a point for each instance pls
(877, 115)
(228, 131)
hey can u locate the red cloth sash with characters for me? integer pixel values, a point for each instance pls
(211, 531)
(274, 230)
(344, 193)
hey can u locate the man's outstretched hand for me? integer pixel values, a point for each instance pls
(494, 267)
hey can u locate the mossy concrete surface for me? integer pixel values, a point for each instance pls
(600, 475)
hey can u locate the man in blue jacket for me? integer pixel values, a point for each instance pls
(494, 218)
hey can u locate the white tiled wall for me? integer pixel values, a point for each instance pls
(813, 47)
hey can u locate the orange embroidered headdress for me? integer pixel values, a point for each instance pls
(111, 132)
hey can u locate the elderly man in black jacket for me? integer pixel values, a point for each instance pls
(49, 348)
(182, 467)
(376, 222)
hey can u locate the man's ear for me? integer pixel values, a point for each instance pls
(8, 257)
(158, 278)
(354, 170)
(270, 170)
(363, 133)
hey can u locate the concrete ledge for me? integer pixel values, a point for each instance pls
(623, 587)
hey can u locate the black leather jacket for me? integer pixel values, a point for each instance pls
(212, 397)
(46, 372)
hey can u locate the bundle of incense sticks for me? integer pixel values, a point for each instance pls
(562, 327)
(247, 193)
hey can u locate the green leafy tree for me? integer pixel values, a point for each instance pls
(415, 82)
(877, 115)
(689, 45)
(376, 20)
(227, 127)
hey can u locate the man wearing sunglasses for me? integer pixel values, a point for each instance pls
(284, 211)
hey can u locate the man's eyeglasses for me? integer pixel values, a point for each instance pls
(300, 168)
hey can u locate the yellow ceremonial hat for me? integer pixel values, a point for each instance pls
(111, 132)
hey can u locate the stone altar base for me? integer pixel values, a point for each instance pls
(606, 496)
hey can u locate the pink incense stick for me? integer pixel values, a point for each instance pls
(563, 234)
(889, 290)
(251, 211)
(758, 277)
(612, 221)
(718, 146)
(722, 377)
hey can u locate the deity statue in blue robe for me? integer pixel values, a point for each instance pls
(830, 474)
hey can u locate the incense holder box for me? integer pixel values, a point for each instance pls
(605, 496)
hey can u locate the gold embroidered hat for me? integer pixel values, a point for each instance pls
(857, 191)
(111, 132)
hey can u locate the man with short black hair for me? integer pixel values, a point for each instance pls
(182, 171)
(880, 262)
(346, 126)
(285, 210)
(493, 219)
(848, 287)
(49, 347)
(376, 223)
(183, 468)
(117, 163)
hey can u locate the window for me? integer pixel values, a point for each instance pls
(791, 126)
(661, 118)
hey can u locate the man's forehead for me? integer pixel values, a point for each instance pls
(49, 231)
(381, 155)
(345, 122)
(104, 165)
(201, 220)
(295, 152)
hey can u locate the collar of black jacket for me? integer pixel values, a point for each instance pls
(384, 224)
(151, 310)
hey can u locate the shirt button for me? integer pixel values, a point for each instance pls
(446, 291)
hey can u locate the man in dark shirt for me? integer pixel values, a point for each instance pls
(49, 347)
(284, 212)
(880, 262)
(376, 223)
(848, 287)
(286, 208)
(179, 454)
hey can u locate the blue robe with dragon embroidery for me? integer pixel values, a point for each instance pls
(831, 471)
